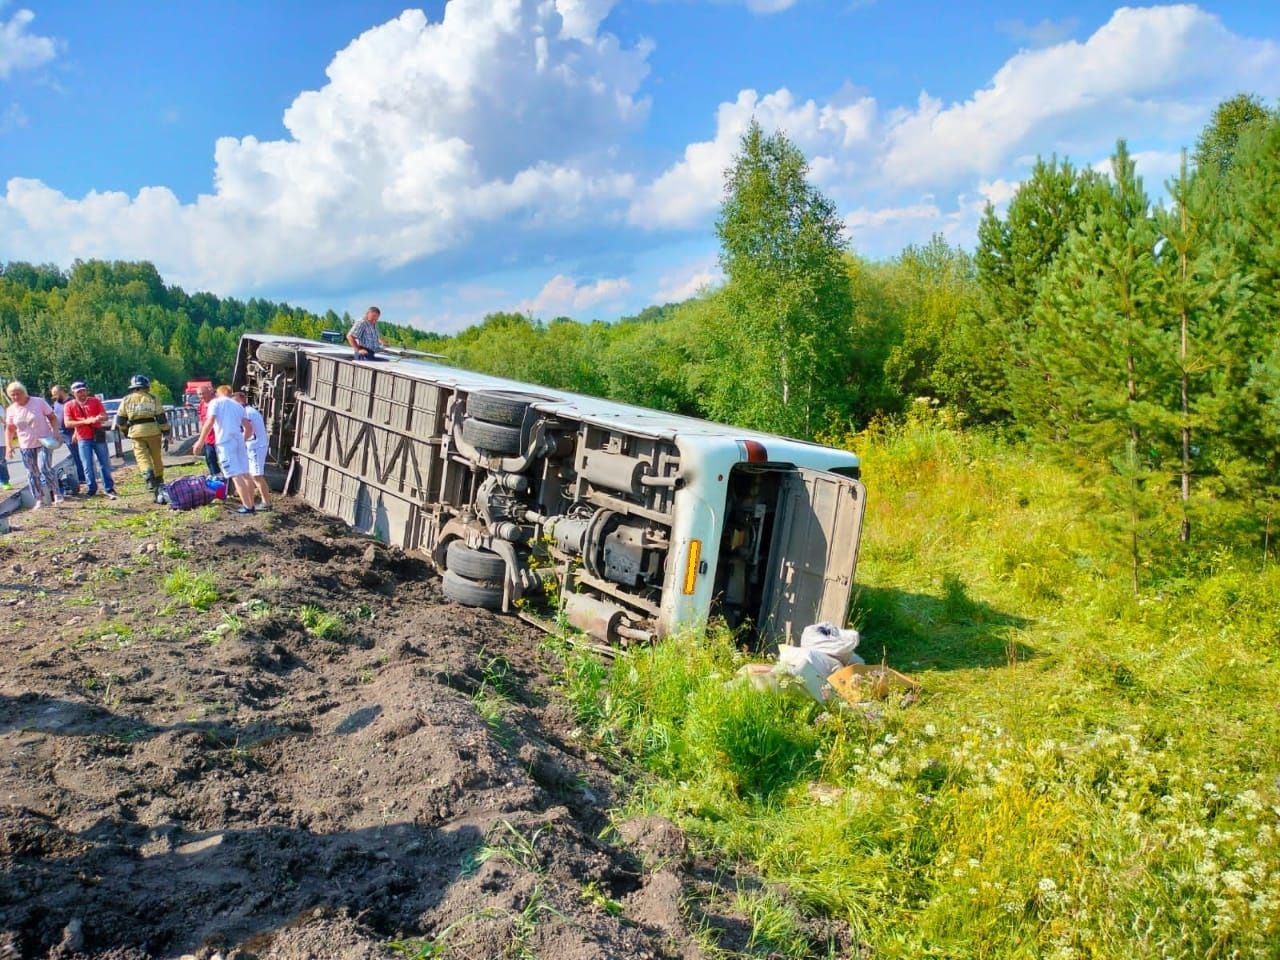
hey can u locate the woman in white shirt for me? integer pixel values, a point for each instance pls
(231, 430)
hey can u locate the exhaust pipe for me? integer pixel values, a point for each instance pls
(603, 620)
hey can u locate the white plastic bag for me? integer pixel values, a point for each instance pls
(811, 667)
(831, 640)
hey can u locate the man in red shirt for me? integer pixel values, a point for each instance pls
(87, 417)
(210, 444)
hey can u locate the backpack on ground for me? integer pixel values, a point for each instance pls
(187, 493)
(68, 482)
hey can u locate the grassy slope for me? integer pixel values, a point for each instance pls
(1085, 775)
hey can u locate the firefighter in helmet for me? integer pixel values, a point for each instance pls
(141, 418)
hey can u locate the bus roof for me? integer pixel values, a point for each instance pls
(604, 413)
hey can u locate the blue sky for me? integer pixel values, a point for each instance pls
(559, 156)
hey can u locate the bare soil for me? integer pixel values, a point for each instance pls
(246, 780)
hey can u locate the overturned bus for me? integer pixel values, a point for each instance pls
(647, 521)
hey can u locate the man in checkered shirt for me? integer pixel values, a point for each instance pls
(363, 336)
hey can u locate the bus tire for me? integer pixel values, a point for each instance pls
(474, 564)
(283, 355)
(491, 437)
(471, 593)
(506, 409)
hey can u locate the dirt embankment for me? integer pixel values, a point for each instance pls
(327, 761)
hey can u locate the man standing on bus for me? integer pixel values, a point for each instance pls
(363, 336)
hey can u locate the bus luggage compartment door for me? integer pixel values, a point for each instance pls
(814, 552)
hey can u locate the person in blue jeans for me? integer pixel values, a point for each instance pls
(58, 399)
(88, 417)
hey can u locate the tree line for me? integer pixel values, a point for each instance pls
(102, 322)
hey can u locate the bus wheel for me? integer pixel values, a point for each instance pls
(474, 564)
(472, 593)
(507, 409)
(491, 437)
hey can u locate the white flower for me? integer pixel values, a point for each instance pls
(1235, 881)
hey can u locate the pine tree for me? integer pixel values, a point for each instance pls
(1096, 363)
(1248, 396)
(1014, 256)
(1200, 296)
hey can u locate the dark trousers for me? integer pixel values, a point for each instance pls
(211, 459)
(73, 448)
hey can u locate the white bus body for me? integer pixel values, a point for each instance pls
(649, 521)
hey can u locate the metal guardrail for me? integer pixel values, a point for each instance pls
(183, 423)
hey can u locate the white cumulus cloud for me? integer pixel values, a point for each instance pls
(497, 137)
(20, 49)
(502, 117)
(831, 134)
(1138, 72)
(561, 295)
(1152, 74)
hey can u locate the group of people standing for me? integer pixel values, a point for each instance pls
(232, 435)
(234, 439)
(37, 428)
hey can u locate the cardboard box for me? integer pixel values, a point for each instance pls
(870, 681)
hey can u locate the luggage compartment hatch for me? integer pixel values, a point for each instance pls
(814, 552)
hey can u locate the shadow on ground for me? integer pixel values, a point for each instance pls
(40, 713)
(920, 631)
(166, 891)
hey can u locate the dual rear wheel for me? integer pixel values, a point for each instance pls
(493, 426)
(473, 577)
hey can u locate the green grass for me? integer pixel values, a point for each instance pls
(196, 590)
(225, 629)
(321, 624)
(1086, 774)
(173, 550)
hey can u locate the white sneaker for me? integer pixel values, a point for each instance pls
(39, 505)
(57, 500)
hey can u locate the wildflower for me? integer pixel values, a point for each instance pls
(1235, 881)
(1249, 800)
